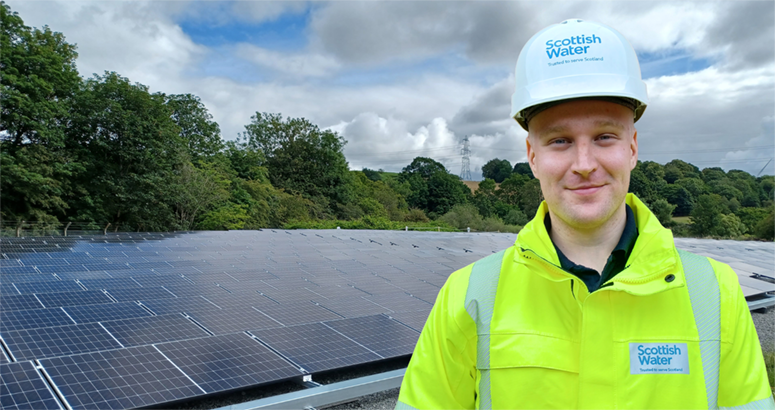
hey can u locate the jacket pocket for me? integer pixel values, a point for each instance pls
(528, 371)
(532, 350)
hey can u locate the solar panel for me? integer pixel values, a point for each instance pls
(19, 302)
(178, 305)
(232, 320)
(84, 297)
(22, 387)
(8, 289)
(296, 314)
(416, 320)
(352, 307)
(315, 347)
(267, 280)
(378, 333)
(48, 287)
(105, 311)
(195, 290)
(129, 294)
(32, 319)
(221, 363)
(119, 379)
(110, 283)
(28, 344)
(156, 329)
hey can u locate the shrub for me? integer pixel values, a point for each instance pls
(766, 228)
(663, 211)
(415, 215)
(463, 216)
(516, 217)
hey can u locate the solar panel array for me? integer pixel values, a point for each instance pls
(132, 320)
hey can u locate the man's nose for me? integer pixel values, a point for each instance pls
(585, 162)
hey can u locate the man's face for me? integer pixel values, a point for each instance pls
(582, 152)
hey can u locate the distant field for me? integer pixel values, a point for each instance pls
(682, 219)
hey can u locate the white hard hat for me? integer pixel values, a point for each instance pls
(576, 59)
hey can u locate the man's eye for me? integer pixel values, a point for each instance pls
(559, 141)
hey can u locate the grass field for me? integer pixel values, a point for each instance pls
(681, 219)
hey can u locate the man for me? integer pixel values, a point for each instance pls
(593, 307)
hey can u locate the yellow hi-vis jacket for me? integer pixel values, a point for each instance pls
(514, 330)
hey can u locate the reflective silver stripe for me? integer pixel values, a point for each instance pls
(705, 297)
(403, 406)
(764, 404)
(480, 301)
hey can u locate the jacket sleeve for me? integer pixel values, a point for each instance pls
(743, 380)
(442, 371)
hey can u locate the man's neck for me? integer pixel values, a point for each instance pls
(589, 247)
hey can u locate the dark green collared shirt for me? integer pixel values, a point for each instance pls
(616, 262)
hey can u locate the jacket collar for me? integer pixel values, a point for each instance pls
(653, 257)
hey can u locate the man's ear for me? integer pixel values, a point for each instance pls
(634, 149)
(530, 155)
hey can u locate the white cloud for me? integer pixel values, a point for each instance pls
(702, 117)
(289, 64)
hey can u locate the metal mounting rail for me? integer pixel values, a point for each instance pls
(326, 395)
(763, 303)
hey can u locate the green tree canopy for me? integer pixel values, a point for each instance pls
(300, 157)
(131, 146)
(523, 168)
(496, 169)
(201, 134)
(38, 81)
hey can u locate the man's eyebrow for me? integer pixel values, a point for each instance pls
(555, 129)
(609, 123)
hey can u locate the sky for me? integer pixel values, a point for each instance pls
(404, 79)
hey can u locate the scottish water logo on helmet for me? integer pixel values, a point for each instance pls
(576, 59)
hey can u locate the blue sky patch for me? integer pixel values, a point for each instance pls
(670, 63)
(286, 33)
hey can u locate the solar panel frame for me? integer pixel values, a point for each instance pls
(38, 343)
(378, 333)
(154, 329)
(226, 321)
(49, 287)
(118, 379)
(315, 347)
(105, 312)
(33, 319)
(130, 294)
(83, 297)
(228, 362)
(22, 387)
(20, 302)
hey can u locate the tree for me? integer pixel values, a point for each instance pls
(706, 215)
(445, 191)
(38, 81)
(199, 132)
(198, 190)
(497, 170)
(301, 158)
(372, 174)
(531, 197)
(766, 228)
(695, 186)
(131, 146)
(422, 166)
(680, 197)
(484, 198)
(643, 186)
(523, 168)
(511, 188)
(663, 211)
